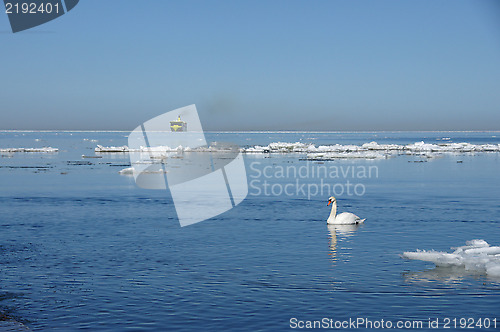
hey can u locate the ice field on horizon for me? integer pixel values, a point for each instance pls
(371, 150)
(30, 150)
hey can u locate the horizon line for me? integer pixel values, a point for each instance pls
(253, 131)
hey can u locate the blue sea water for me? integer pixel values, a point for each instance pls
(82, 247)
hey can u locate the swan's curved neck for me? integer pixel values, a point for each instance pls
(333, 213)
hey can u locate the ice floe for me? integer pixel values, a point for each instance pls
(42, 150)
(476, 255)
(127, 171)
(155, 150)
(370, 150)
(417, 147)
(101, 148)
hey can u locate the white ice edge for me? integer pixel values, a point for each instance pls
(476, 255)
(44, 150)
(371, 150)
(283, 147)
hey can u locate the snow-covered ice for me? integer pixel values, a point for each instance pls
(42, 150)
(476, 255)
(281, 147)
(101, 148)
(127, 171)
(370, 150)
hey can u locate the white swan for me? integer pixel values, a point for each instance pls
(344, 218)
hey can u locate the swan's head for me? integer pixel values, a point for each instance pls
(331, 200)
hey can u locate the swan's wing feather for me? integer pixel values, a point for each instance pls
(348, 218)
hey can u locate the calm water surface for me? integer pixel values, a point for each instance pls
(81, 247)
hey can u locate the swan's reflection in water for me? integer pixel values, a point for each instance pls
(338, 232)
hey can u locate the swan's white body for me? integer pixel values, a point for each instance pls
(345, 218)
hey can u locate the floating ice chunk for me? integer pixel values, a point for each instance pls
(493, 269)
(477, 243)
(43, 150)
(338, 148)
(382, 147)
(101, 148)
(436, 257)
(127, 171)
(476, 255)
(416, 148)
(422, 146)
(483, 250)
(288, 147)
(152, 149)
(490, 147)
(256, 149)
(471, 245)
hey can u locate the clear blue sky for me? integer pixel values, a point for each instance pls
(257, 65)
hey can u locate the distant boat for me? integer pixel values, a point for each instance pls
(178, 125)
